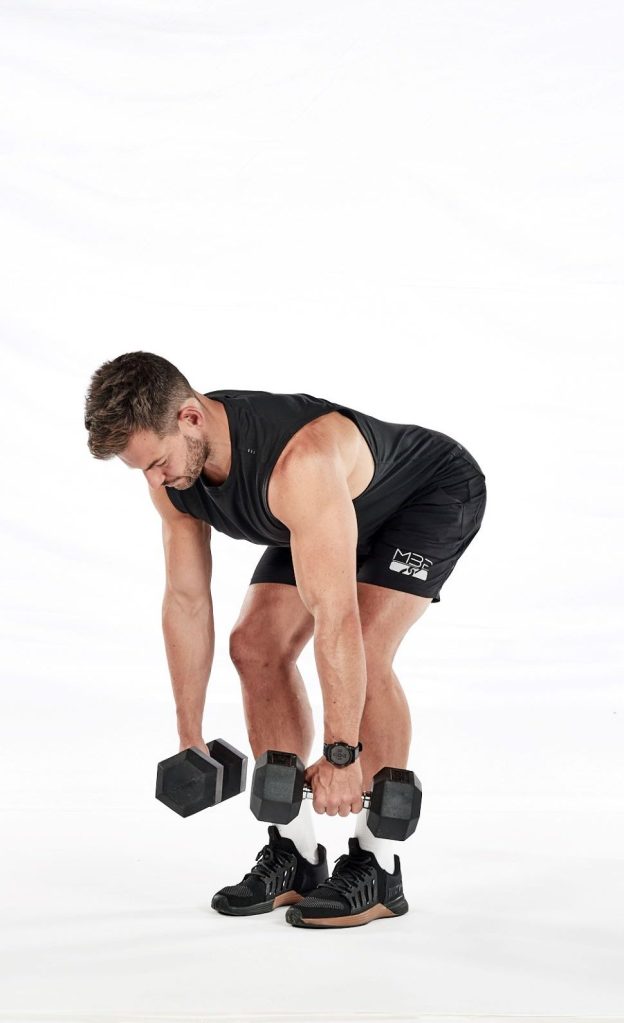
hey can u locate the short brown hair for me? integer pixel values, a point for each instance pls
(136, 391)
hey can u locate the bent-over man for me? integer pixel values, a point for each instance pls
(363, 522)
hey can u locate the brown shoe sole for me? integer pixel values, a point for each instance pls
(287, 899)
(378, 912)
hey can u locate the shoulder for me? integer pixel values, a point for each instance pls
(314, 446)
(321, 442)
(308, 476)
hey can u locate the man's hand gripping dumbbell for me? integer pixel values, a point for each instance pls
(279, 786)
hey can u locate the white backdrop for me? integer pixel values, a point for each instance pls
(415, 210)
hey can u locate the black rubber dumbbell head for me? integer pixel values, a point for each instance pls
(192, 780)
(395, 803)
(234, 767)
(189, 782)
(277, 787)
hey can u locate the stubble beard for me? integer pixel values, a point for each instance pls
(197, 453)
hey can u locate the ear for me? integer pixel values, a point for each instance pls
(190, 414)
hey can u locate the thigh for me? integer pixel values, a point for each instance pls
(386, 616)
(417, 548)
(273, 618)
(274, 621)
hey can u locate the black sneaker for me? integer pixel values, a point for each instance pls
(357, 892)
(280, 877)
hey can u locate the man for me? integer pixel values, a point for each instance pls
(364, 521)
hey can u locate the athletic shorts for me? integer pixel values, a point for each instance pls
(418, 546)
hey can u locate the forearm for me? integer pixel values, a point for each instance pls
(188, 631)
(341, 664)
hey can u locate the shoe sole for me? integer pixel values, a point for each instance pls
(295, 916)
(221, 905)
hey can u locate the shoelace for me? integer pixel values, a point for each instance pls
(347, 874)
(269, 860)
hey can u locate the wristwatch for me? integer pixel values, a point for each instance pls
(340, 754)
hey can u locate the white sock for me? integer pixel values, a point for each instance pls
(382, 848)
(301, 832)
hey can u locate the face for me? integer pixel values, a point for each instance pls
(175, 461)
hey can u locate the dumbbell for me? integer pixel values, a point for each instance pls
(278, 788)
(191, 780)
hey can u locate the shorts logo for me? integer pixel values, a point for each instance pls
(410, 564)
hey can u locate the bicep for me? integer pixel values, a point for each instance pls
(314, 502)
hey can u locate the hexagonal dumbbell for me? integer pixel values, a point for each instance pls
(278, 788)
(191, 780)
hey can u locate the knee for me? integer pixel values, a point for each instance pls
(254, 648)
(246, 646)
(382, 685)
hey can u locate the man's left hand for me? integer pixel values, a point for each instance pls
(337, 790)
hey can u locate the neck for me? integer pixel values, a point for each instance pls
(217, 433)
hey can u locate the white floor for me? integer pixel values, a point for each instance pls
(514, 879)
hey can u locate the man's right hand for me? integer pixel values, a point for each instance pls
(197, 744)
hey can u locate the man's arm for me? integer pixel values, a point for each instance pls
(187, 617)
(310, 495)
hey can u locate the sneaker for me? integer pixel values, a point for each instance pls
(280, 877)
(357, 892)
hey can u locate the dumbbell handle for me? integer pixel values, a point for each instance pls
(309, 794)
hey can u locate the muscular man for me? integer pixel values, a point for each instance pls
(363, 521)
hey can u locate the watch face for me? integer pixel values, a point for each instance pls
(340, 755)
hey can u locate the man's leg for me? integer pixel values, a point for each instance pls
(385, 732)
(273, 627)
(367, 883)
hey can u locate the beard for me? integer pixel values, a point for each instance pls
(197, 452)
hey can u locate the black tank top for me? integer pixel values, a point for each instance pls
(408, 460)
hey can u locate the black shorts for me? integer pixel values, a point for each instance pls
(418, 546)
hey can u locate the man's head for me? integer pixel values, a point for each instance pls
(142, 409)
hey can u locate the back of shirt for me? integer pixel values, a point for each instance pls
(408, 460)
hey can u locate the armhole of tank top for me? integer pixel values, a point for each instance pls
(369, 439)
(334, 408)
(264, 492)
